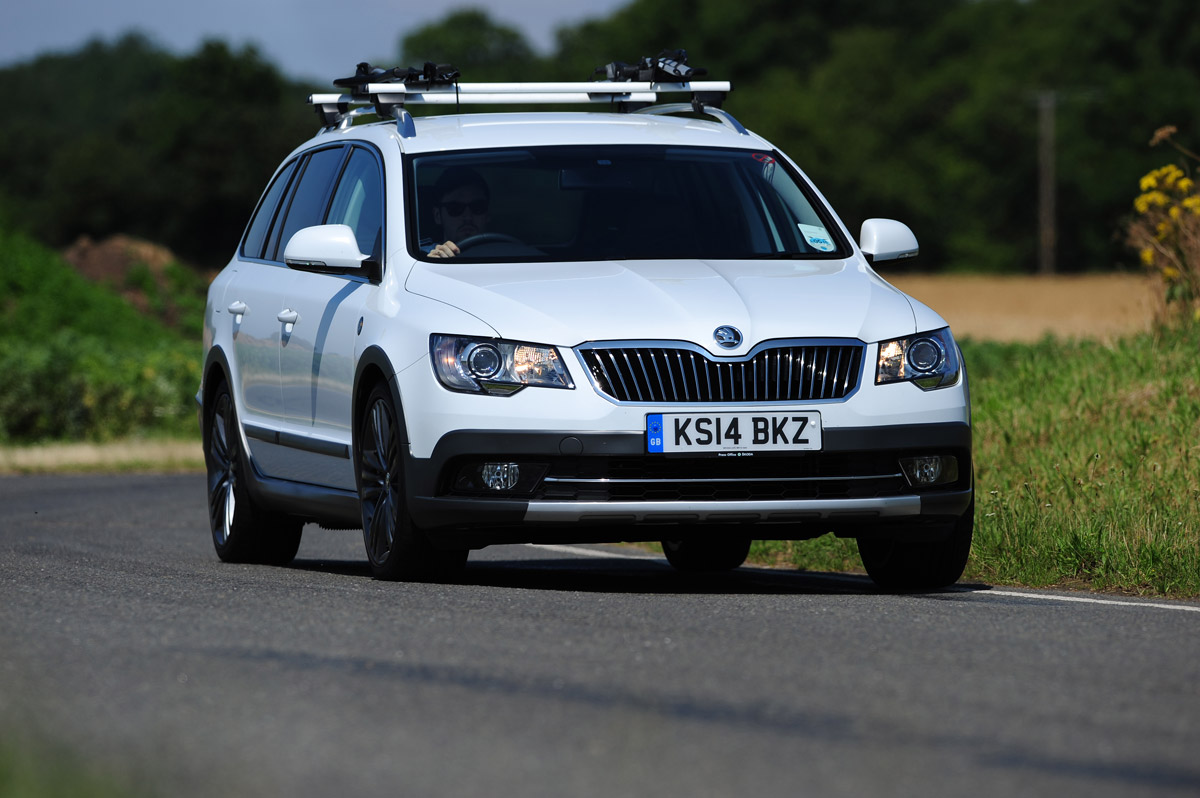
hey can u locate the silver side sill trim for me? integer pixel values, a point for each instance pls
(730, 512)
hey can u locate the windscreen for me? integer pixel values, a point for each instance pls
(614, 203)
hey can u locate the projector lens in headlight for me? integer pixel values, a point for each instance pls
(483, 360)
(930, 360)
(494, 366)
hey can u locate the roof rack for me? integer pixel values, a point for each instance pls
(387, 92)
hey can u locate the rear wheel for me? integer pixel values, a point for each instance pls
(706, 555)
(908, 566)
(241, 531)
(396, 547)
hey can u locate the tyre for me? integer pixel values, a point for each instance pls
(909, 566)
(241, 531)
(706, 555)
(396, 548)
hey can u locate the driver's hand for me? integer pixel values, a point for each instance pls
(446, 250)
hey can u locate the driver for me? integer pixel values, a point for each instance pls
(462, 199)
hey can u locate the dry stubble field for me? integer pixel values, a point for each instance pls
(1023, 308)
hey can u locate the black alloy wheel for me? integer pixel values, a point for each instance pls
(910, 566)
(241, 531)
(712, 554)
(396, 548)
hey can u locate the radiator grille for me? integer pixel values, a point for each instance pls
(794, 372)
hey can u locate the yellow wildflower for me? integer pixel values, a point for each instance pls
(1163, 228)
(1185, 185)
(1170, 274)
(1149, 182)
(1147, 254)
(1174, 212)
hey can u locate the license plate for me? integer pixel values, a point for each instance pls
(674, 433)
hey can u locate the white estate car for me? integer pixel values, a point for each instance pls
(651, 327)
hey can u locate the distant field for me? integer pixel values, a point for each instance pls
(1025, 309)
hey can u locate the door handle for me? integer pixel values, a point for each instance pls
(238, 308)
(288, 316)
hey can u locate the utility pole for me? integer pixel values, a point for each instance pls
(1047, 102)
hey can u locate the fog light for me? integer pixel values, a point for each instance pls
(930, 470)
(500, 476)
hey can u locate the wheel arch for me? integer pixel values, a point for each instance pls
(375, 367)
(216, 364)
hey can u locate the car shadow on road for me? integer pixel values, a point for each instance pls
(636, 574)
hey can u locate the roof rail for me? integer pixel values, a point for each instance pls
(386, 92)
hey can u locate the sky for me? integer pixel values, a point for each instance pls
(305, 39)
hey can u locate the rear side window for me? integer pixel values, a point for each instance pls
(311, 197)
(260, 225)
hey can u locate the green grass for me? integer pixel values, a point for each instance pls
(45, 771)
(1087, 466)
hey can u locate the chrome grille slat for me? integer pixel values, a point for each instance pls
(617, 369)
(632, 375)
(685, 375)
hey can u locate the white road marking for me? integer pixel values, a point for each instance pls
(1087, 600)
(582, 552)
(635, 554)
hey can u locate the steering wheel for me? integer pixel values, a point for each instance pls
(488, 238)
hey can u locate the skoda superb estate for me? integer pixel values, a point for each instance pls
(638, 322)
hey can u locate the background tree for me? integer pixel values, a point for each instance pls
(470, 40)
(924, 111)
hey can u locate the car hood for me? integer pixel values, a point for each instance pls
(681, 300)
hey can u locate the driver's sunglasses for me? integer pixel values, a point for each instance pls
(477, 207)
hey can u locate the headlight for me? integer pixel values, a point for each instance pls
(930, 360)
(489, 365)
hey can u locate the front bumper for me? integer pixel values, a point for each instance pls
(604, 486)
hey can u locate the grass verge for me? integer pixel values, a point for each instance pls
(46, 771)
(1087, 466)
(125, 456)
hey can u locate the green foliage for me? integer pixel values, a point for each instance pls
(173, 150)
(924, 111)
(471, 41)
(41, 295)
(81, 363)
(927, 111)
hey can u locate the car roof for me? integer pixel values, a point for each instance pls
(541, 128)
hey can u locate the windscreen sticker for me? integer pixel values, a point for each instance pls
(768, 165)
(817, 237)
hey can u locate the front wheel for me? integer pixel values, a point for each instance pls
(396, 548)
(706, 555)
(909, 566)
(241, 530)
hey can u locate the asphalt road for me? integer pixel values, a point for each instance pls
(559, 671)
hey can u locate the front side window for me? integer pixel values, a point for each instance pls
(358, 202)
(616, 202)
(311, 197)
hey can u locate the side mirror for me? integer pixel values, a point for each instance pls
(327, 249)
(887, 239)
